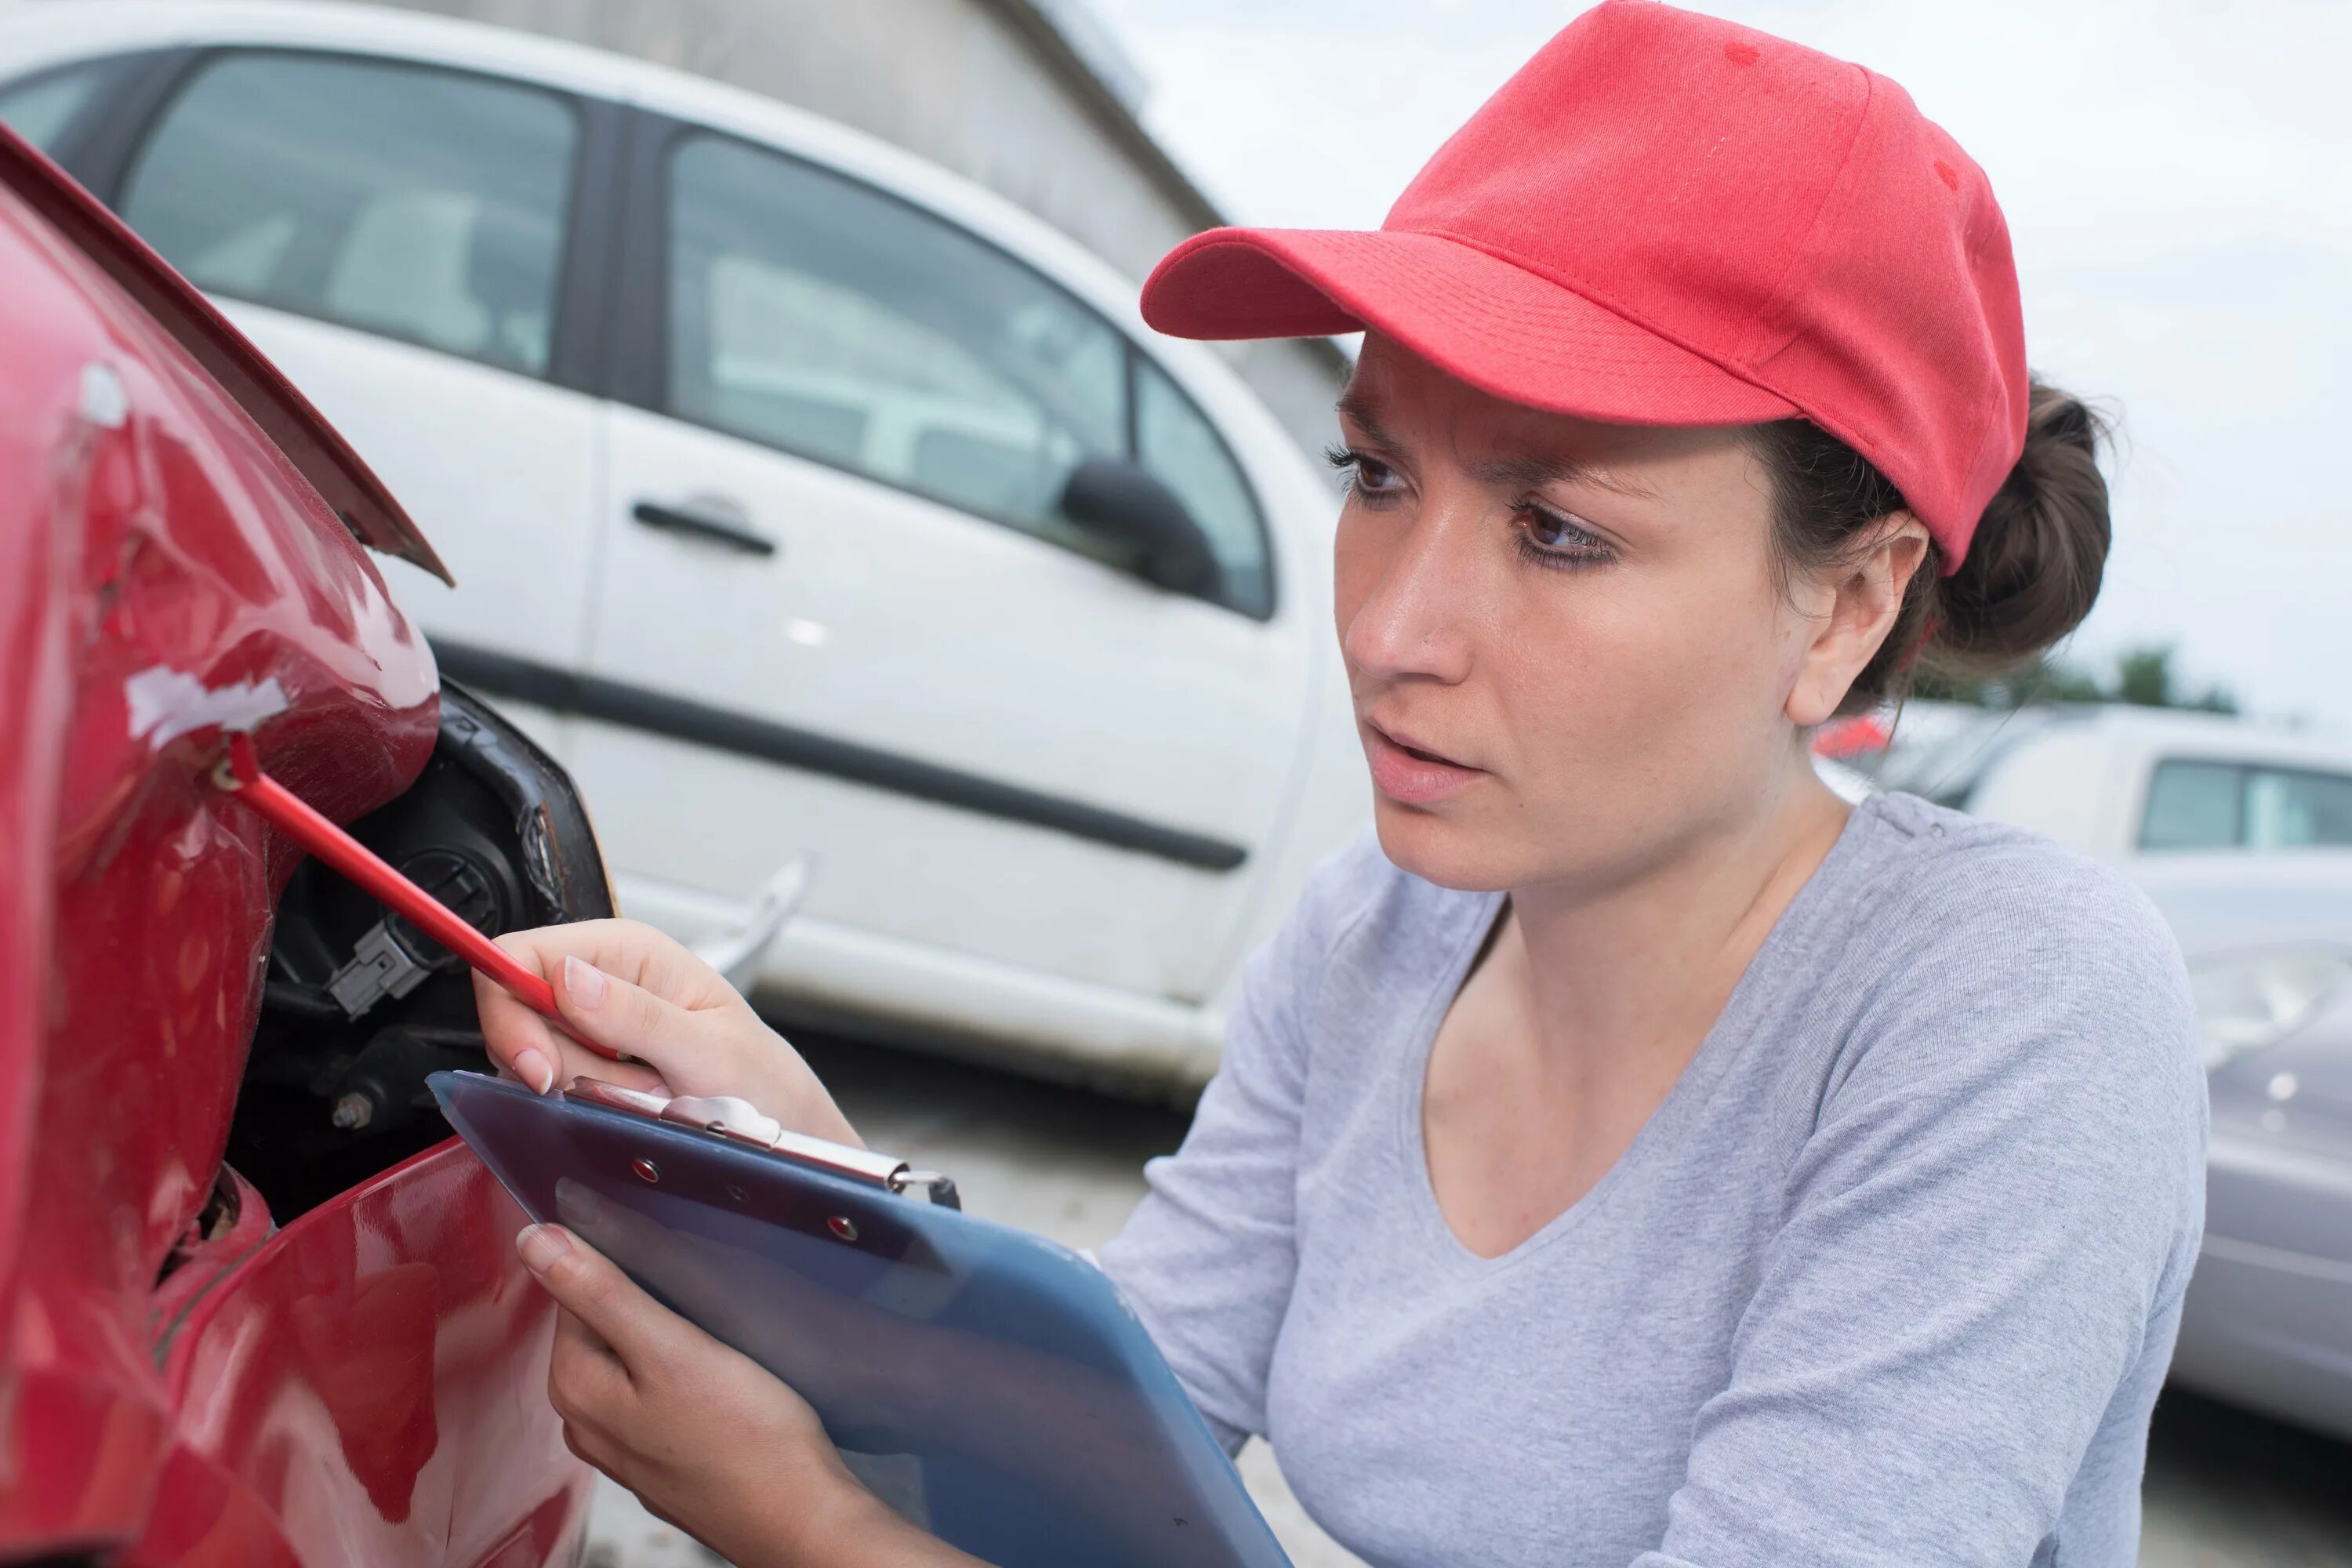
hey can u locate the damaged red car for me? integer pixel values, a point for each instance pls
(258, 1310)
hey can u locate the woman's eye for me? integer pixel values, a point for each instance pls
(1363, 475)
(1555, 539)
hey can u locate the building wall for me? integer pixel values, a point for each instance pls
(993, 89)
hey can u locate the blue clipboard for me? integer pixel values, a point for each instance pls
(988, 1384)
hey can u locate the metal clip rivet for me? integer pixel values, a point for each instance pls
(839, 1224)
(645, 1168)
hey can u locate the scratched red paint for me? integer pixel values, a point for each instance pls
(365, 1384)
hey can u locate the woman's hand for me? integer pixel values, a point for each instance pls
(630, 988)
(708, 1440)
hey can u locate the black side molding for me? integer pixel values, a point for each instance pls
(725, 730)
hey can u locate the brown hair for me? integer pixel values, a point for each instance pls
(2032, 570)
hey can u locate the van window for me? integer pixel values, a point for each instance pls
(1175, 440)
(418, 204)
(2191, 805)
(2230, 805)
(825, 319)
(2294, 809)
(41, 110)
(819, 316)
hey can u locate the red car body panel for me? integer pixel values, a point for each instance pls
(365, 1384)
(373, 1389)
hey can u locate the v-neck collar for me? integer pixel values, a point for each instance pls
(1814, 903)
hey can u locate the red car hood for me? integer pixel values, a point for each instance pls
(178, 526)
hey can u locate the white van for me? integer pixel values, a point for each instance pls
(799, 497)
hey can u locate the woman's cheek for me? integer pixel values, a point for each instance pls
(1625, 696)
(1354, 568)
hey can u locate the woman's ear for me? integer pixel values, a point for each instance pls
(1866, 598)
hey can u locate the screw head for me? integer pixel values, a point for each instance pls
(839, 1224)
(353, 1111)
(645, 1169)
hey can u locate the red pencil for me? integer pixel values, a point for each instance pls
(356, 860)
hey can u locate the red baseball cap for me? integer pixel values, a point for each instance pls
(1668, 219)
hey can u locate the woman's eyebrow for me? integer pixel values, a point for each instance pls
(1534, 473)
(1359, 411)
(1504, 473)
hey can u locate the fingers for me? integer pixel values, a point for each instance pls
(585, 1381)
(623, 986)
(619, 1015)
(589, 1389)
(525, 1047)
(608, 1304)
(704, 1278)
(698, 1430)
(517, 1039)
(586, 1449)
(631, 990)
(541, 1055)
(631, 951)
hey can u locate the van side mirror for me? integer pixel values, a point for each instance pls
(1123, 501)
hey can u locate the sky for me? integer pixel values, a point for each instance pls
(2178, 179)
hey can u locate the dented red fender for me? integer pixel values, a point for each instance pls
(364, 1386)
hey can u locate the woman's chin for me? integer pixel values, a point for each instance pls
(1451, 848)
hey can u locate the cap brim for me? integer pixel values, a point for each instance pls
(1481, 318)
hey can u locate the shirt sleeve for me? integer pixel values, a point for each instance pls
(1208, 1259)
(1986, 1234)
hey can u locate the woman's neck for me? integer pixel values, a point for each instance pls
(1643, 969)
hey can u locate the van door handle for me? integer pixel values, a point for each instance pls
(706, 520)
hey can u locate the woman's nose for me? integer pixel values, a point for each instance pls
(1420, 615)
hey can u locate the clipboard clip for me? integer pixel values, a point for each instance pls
(742, 1121)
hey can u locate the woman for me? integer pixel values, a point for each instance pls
(1637, 1154)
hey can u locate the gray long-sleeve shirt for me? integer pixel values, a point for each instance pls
(1891, 1277)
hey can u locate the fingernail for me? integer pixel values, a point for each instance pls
(541, 1246)
(584, 982)
(531, 1066)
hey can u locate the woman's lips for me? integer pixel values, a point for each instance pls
(1409, 775)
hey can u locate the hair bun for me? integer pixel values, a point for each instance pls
(2032, 569)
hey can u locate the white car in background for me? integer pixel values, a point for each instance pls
(2242, 837)
(801, 497)
(2125, 783)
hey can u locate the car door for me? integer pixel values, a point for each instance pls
(402, 241)
(838, 570)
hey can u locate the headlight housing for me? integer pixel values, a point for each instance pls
(2247, 1001)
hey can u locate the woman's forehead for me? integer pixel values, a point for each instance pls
(1402, 400)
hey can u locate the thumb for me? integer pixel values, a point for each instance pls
(592, 1287)
(611, 1012)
